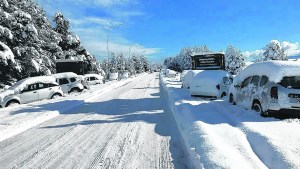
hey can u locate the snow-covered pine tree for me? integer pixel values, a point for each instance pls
(234, 60)
(273, 51)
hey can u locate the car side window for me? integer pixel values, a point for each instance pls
(31, 87)
(42, 85)
(63, 81)
(246, 82)
(264, 80)
(255, 80)
(92, 78)
(73, 79)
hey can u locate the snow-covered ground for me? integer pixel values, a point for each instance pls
(120, 124)
(219, 135)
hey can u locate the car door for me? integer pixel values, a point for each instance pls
(44, 91)
(253, 87)
(93, 80)
(29, 94)
(64, 84)
(243, 90)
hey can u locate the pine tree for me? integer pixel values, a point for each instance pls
(234, 60)
(273, 51)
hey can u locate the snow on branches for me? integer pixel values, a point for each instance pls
(234, 60)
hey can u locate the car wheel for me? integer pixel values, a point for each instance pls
(223, 94)
(12, 103)
(257, 107)
(55, 96)
(231, 100)
(75, 90)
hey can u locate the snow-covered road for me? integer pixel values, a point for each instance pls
(127, 127)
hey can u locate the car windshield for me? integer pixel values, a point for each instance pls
(291, 82)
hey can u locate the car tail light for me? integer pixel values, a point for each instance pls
(274, 92)
(218, 87)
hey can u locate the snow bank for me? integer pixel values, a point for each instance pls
(275, 70)
(125, 75)
(170, 73)
(217, 134)
(65, 75)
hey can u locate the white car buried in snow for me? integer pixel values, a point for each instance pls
(69, 82)
(211, 83)
(189, 77)
(268, 87)
(30, 90)
(93, 79)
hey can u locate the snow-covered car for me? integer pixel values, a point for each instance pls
(125, 75)
(189, 77)
(182, 75)
(93, 79)
(170, 73)
(268, 87)
(211, 83)
(84, 82)
(69, 82)
(29, 90)
(113, 76)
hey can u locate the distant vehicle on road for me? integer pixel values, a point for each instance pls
(69, 82)
(29, 90)
(93, 79)
(211, 83)
(268, 87)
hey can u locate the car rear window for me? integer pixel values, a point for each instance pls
(291, 82)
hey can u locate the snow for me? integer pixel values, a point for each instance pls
(189, 77)
(35, 65)
(217, 134)
(89, 131)
(94, 75)
(22, 84)
(6, 54)
(65, 75)
(5, 32)
(182, 75)
(275, 70)
(113, 76)
(170, 73)
(205, 82)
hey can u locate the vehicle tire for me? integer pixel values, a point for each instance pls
(56, 95)
(257, 107)
(75, 90)
(12, 103)
(223, 94)
(231, 100)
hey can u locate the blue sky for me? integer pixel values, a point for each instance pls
(160, 28)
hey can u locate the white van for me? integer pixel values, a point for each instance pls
(268, 87)
(69, 82)
(211, 83)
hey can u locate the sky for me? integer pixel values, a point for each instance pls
(160, 28)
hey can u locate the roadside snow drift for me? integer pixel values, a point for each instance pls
(220, 135)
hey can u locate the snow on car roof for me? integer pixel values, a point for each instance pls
(210, 76)
(65, 75)
(20, 85)
(275, 70)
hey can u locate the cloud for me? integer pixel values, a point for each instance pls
(252, 55)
